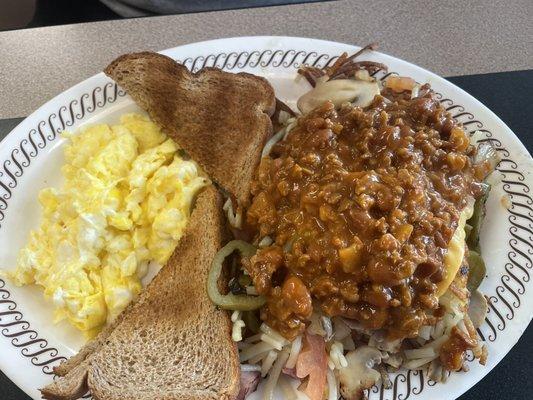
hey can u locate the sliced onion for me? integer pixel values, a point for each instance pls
(250, 368)
(333, 391)
(268, 362)
(273, 342)
(328, 327)
(234, 218)
(265, 242)
(341, 329)
(274, 334)
(273, 376)
(272, 141)
(254, 338)
(255, 350)
(418, 363)
(487, 152)
(415, 91)
(425, 332)
(423, 352)
(477, 308)
(288, 391)
(348, 343)
(296, 346)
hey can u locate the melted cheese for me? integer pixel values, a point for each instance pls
(456, 251)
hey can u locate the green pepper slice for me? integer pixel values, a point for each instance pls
(231, 301)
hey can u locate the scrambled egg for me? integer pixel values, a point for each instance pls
(125, 201)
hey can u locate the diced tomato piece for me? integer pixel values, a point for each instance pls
(312, 362)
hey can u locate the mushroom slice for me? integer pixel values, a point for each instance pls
(477, 308)
(359, 374)
(379, 341)
(338, 91)
(357, 326)
(393, 360)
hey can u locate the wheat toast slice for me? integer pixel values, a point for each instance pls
(221, 119)
(147, 77)
(172, 343)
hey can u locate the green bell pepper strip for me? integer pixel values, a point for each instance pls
(231, 301)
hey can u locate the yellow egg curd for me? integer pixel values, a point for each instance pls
(125, 201)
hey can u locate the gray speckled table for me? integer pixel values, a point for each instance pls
(447, 37)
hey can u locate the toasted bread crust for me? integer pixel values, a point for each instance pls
(90, 347)
(163, 346)
(68, 389)
(221, 119)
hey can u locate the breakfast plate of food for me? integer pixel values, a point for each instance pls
(262, 218)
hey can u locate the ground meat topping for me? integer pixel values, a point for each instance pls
(361, 205)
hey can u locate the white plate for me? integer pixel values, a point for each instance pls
(31, 155)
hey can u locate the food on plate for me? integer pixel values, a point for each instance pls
(366, 211)
(164, 343)
(362, 212)
(125, 201)
(352, 248)
(225, 126)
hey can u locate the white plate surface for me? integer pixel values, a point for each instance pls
(31, 156)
